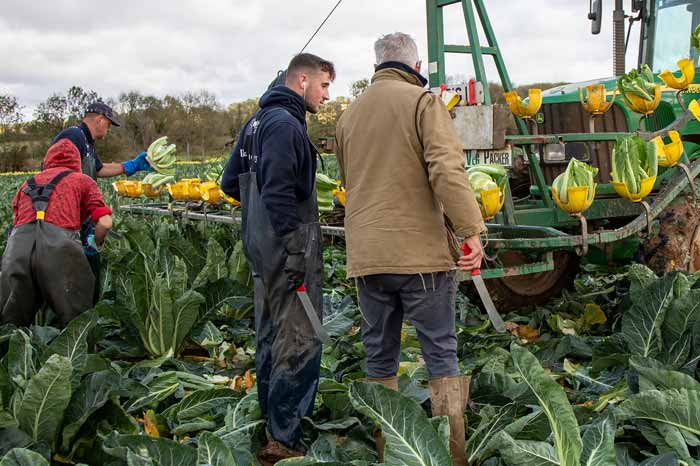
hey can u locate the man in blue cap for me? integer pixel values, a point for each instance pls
(96, 123)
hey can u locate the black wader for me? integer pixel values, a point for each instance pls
(87, 165)
(288, 354)
(44, 263)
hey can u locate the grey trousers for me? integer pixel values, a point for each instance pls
(425, 300)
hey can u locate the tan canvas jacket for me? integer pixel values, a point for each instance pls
(402, 165)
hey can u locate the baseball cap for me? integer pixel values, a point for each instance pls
(102, 108)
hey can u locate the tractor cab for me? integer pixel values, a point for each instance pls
(666, 31)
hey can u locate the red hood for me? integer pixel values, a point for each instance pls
(63, 154)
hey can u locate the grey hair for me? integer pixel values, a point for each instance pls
(398, 47)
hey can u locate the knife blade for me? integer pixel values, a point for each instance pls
(494, 316)
(311, 314)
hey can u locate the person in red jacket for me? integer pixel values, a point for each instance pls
(44, 261)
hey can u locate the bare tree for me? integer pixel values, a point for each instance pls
(198, 118)
(60, 111)
(358, 87)
(77, 100)
(50, 115)
(12, 153)
(239, 113)
(10, 113)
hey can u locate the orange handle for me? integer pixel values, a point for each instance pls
(466, 250)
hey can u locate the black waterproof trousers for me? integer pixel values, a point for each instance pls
(288, 354)
(89, 168)
(86, 229)
(44, 263)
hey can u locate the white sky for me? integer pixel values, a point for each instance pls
(233, 48)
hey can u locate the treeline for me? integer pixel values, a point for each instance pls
(195, 121)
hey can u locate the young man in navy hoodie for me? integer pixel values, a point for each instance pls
(272, 171)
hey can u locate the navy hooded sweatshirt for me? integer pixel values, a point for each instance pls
(274, 144)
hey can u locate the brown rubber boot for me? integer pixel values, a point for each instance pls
(392, 383)
(449, 397)
(274, 451)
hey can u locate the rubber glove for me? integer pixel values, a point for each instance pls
(90, 246)
(295, 263)
(136, 165)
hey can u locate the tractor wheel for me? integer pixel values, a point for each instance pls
(510, 293)
(675, 242)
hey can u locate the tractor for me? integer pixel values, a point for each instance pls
(534, 247)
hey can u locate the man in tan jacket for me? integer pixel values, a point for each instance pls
(403, 168)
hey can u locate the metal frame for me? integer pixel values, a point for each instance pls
(532, 238)
(544, 239)
(551, 238)
(199, 211)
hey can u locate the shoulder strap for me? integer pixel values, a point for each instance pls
(251, 127)
(85, 142)
(247, 134)
(40, 194)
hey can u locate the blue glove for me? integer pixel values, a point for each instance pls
(136, 165)
(90, 245)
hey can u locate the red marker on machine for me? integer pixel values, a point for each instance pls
(311, 314)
